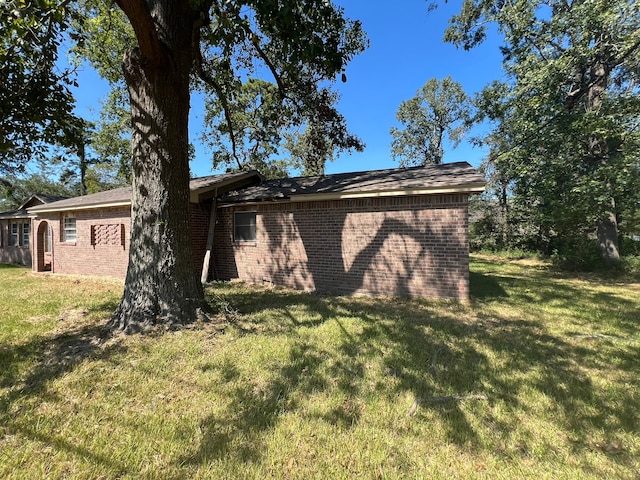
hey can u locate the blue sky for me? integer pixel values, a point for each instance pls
(406, 50)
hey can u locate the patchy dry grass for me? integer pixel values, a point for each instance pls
(536, 378)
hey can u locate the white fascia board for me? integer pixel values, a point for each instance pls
(74, 208)
(310, 197)
(387, 193)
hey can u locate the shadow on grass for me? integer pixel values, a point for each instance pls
(28, 368)
(483, 286)
(255, 408)
(439, 352)
(11, 266)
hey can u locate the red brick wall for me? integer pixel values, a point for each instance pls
(415, 246)
(200, 213)
(105, 258)
(108, 257)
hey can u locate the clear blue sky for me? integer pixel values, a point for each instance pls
(406, 50)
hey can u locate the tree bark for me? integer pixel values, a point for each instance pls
(607, 225)
(161, 285)
(607, 234)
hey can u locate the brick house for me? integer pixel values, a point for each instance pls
(90, 234)
(385, 232)
(16, 233)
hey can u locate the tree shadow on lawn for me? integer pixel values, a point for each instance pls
(588, 308)
(484, 287)
(440, 353)
(28, 368)
(256, 407)
(11, 266)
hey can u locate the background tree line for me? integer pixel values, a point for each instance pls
(563, 168)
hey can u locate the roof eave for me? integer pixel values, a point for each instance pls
(15, 215)
(201, 194)
(72, 208)
(405, 192)
(469, 189)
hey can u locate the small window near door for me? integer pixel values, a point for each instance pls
(244, 227)
(26, 230)
(69, 228)
(47, 239)
(13, 235)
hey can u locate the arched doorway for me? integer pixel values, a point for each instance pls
(44, 248)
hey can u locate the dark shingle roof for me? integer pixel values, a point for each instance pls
(45, 198)
(460, 177)
(118, 196)
(450, 177)
(122, 196)
(32, 201)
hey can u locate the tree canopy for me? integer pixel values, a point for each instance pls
(566, 118)
(158, 51)
(35, 98)
(440, 110)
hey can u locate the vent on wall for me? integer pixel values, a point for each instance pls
(111, 234)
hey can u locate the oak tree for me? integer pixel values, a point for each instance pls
(35, 95)
(440, 110)
(570, 107)
(169, 49)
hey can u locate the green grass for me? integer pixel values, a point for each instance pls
(537, 377)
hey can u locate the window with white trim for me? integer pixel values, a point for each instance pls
(69, 228)
(13, 235)
(26, 230)
(244, 226)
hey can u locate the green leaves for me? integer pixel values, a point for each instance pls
(297, 49)
(439, 110)
(566, 118)
(35, 100)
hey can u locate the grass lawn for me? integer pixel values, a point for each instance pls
(538, 377)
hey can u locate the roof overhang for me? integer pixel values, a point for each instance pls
(388, 193)
(207, 192)
(15, 215)
(88, 206)
(311, 197)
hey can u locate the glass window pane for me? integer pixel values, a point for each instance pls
(13, 237)
(244, 227)
(69, 229)
(26, 228)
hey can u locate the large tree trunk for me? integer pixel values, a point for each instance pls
(607, 226)
(607, 233)
(161, 284)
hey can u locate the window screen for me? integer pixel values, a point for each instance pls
(244, 227)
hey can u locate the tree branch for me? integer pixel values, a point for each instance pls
(209, 80)
(255, 41)
(137, 11)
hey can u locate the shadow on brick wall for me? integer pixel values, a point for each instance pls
(400, 258)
